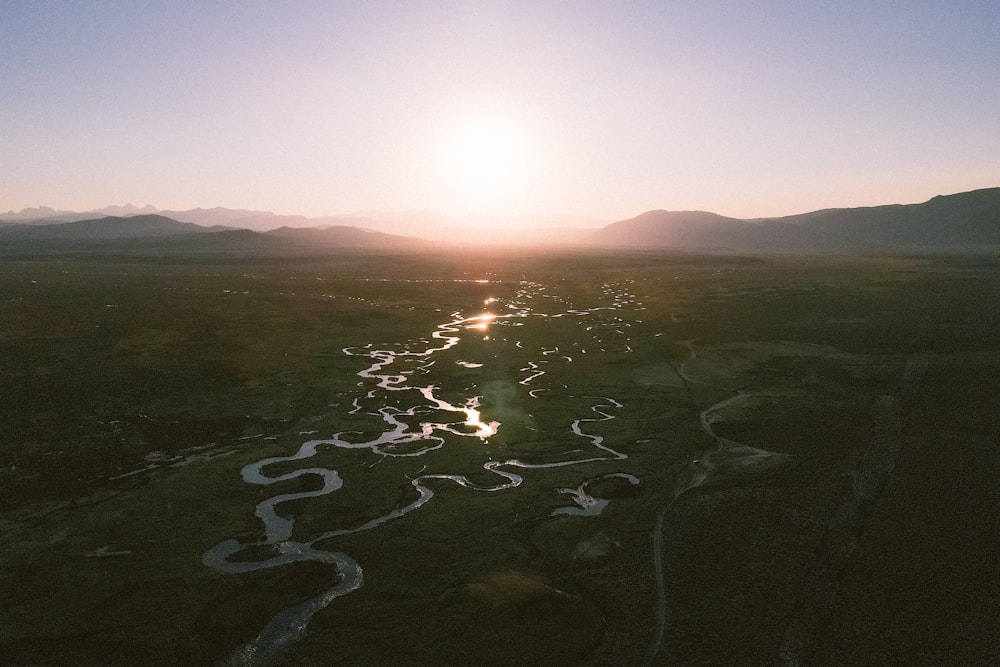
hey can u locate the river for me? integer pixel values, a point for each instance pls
(420, 417)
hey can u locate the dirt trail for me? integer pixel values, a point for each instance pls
(722, 457)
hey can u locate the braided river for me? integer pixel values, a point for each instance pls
(403, 387)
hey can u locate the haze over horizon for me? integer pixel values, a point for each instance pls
(502, 111)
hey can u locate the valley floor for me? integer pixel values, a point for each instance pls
(565, 458)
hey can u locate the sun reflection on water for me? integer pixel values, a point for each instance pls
(482, 322)
(474, 420)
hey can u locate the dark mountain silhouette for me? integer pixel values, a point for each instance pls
(701, 230)
(670, 228)
(112, 227)
(964, 221)
(228, 242)
(965, 218)
(151, 234)
(206, 217)
(343, 236)
(44, 215)
(259, 221)
(968, 221)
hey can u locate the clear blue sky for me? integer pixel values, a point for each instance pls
(745, 108)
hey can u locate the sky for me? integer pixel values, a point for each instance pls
(542, 110)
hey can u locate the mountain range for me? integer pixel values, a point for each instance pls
(260, 221)
(963, 222)
(154, 233)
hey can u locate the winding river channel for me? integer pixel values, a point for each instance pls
(420, 417)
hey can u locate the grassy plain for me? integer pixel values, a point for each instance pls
(134, 389)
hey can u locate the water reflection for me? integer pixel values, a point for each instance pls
(481, 322)
(415, 419)
(481, 430)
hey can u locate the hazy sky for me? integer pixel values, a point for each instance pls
(604, 109)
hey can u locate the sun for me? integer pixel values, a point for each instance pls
(487, 165)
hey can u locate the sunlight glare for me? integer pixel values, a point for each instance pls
(482, 322)
(474, 419)
(487, 165)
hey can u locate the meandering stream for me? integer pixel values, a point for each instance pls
(389, 389)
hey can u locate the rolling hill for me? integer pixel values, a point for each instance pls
(965, 221)
(346, 237)
(259, 221)
(103, 229)
(151, 234)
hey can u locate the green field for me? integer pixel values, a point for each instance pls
(799, 457)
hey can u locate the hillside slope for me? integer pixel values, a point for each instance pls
(961, 221)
